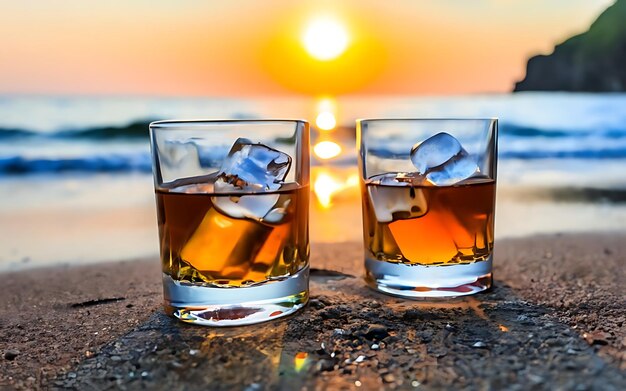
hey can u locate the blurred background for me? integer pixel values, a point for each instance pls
(80, 81)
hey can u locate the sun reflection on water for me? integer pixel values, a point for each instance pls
(328, 184)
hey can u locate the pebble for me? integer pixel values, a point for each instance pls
(375, 346)
(324, 365)
(389, 378)
(597, 337)
(11, 354)
(330, 313)
(314, 303)
(411, 314)
(480, 345)
(377, 331)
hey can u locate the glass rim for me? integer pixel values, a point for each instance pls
(177, 123)
(361, 120)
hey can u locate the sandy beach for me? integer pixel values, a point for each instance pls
(61, 326)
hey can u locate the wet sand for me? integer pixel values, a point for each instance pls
(555, 319)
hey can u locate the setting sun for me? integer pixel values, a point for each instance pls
(325, 39)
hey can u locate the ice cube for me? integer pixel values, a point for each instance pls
(455, 170)
(397, 179)
(251, 166)
(442, 159)
(434, 151)
(251, 206)
(276, 215)
(396, 199)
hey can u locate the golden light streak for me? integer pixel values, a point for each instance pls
(327, 185)
(324, 187)
(300, 361)
(326, 150)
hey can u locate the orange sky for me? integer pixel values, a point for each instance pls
(245, 47)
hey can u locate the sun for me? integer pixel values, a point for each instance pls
(325, 39)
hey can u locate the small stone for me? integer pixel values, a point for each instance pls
(375, 346)
(376, 331)
(389, 378)
(11, 354)
(339, 332)
(411, 314)
(144, 374)
(415, 384)
(449, 327)
(324, 365)
(480, 345)
(71, 375)
(597, 337)
(330, 313)
(360, 359)
(358, 383)
(315, 303)
(116, 358)
(193, 352)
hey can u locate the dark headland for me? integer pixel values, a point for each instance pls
(594, 61)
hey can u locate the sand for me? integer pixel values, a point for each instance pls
(555, 319)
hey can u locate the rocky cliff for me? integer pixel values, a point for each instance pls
(594, 61)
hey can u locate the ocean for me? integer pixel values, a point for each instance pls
(54, 135)
(75, 183)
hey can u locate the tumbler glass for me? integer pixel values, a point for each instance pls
(232, 205)
(428, 198)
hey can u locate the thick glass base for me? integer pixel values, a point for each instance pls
(209, 306)
(416, 281)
